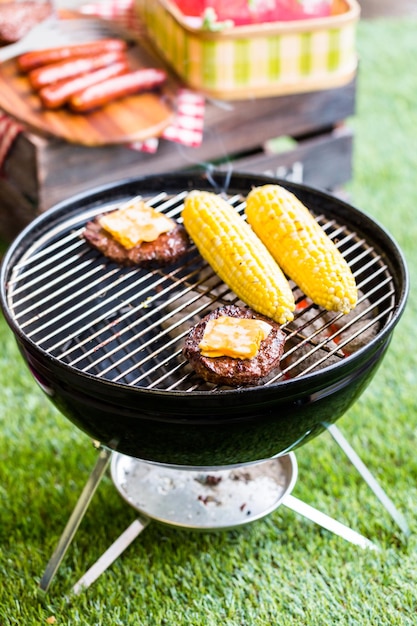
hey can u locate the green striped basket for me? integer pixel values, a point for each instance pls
(256, 60)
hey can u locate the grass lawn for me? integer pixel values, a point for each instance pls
(282, 570)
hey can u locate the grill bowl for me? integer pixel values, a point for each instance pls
(193, 426)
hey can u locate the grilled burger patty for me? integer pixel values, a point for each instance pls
(230, 371)
(167, 248)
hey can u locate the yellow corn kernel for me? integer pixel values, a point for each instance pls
(237, 255)
(301, 247)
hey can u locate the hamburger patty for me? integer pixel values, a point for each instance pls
(227, 370)
(167, 248)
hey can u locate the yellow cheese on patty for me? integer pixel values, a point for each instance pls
(136, 223)
(237, 337)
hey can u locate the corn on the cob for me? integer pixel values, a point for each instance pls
(237, 255)
(301, 247)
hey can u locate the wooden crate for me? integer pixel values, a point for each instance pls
(323, 160)
(40, 172)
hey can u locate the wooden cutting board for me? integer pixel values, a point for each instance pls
(133, 118)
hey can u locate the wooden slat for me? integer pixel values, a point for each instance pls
(323, 161)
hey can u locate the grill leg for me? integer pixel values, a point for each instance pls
(76, 518)
(369, 478)
(111, 554)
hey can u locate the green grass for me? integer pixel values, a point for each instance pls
(282, 570)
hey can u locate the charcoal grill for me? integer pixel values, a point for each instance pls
(104, 342)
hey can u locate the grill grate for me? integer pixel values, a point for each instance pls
(127, 325)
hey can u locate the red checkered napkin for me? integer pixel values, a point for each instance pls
(189, 121)
(9, 130)
(187, 126)
(120, 11)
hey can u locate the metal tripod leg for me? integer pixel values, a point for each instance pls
(330, 524)
(369, 478)
(76, 517)
(111, 554)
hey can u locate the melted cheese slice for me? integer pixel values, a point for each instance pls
(136, 223)
(239, 338)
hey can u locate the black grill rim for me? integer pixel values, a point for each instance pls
(232, 183)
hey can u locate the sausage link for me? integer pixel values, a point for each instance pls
(36, 58)
(56, 95)
(115, 88)
(48, 74)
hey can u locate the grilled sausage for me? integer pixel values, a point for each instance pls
(114, 88)
(36, 58)
(48, 74)
(56, 95)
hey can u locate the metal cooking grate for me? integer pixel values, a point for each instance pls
(127, 325)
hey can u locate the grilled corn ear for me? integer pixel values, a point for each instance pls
(301, 247)
(237, 255)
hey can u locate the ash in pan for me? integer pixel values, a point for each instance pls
(219, 498)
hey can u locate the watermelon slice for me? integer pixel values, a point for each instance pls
(242, 12)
